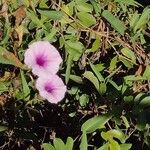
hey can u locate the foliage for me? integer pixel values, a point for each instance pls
(106, 67)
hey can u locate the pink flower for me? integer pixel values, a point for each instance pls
(51, 88)
(43, 58)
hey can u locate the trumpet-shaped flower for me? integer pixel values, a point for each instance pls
(43, 58)
(51, 88)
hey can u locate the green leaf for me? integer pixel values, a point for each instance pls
(74, 48)
(142, 38)
(118, 88)
(126, 62)
(72, 114)
(125, 122)
(145, 102)
(84, 7)
(3, 87)
(84, 99)
(25, 87)
(128, 2)
(138, 98)
(90, 76)
(133, 78)
(95, 46)
(48, 146)
(102, 88)
(129, 54)
(125, 146)
(50, 36)
(51, 14)
(61, 42)
(59, 144)
(104, 147)
(146, 73)
(73, 90)
(144, 19)
(79, 2)
(76, 79)
(69, 144)
(14, 4)
(31, 15)
(86, 19)
(128, 99)
(115, 22)
(43, 5)
(68, 10)
(133, 19)
(76, 45)
(18, 94)
(114, 145)
(84, 144)
(68, 69)
(109, 135)
(99, 67)
(71, 6)
(96, 71)
(94, 123)
(3, 128)
(26, 3)
(113, 64)
(96, 7)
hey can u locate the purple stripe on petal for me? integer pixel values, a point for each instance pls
(48, 88)
(40, 60)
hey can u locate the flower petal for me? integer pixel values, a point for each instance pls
(43, 58)
(57, 88)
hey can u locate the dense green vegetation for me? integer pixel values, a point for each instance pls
(105, 46)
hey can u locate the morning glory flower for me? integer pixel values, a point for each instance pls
(51, 88)
(43, 58)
